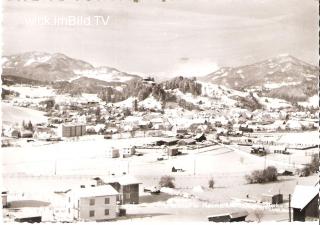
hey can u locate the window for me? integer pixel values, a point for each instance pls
(107, 201)
(91, 213)
(92, 201)
(106, 212)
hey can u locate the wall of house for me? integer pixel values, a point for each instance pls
(73, 130)
(4, 200)
(98, 208)
(312, 209)
(130, 194)
(298, 215)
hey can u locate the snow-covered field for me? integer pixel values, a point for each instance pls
(31, 91)
(13, 114)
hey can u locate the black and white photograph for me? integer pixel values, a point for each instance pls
(159, 111)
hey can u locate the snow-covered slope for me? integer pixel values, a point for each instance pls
(271, 76)
(43, 66)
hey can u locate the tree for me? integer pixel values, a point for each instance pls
(30, 126)
(135, 105)
(132, 133)
(314, 164)
(258, 214)
(262, 176)
(211, 183)
(167, 181)
(23, 124)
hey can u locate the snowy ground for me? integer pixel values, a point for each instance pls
(43, 168)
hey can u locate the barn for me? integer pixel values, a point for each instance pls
(272, 198)
(305, 203)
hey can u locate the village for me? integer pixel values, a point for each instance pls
(130, 160)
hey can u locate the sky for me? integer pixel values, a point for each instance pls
(164, 39)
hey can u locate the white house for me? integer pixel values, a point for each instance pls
(98, 203)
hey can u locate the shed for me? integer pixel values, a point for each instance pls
(283, 172)
(305, 202)
(28, 219)
(172, 151)
(229, 217)
(272, 198)
(112, 153)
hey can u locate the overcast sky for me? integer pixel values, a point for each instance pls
(177, 37)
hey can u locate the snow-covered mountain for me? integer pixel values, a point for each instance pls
(272, 76)
(58, 67)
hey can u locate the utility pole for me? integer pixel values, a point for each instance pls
(55, 167)
(194, 167)
(128, 167)
(289, 207)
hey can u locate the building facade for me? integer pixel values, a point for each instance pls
(73, 130)
(93, 203)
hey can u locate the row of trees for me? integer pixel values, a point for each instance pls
(27, 126)
(185, 85)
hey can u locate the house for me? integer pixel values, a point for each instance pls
(172, 151)
(188, 141)
(229, 217)
(200, 137)
(128, 188)
(272, 198)
(43, 133)
(305, 203)
(98, 203)
(127, 152)
(167, 141)
(4, 198)
(73, 130)
(245, 141)
(182, 131)
(26, 134)
(112, 153)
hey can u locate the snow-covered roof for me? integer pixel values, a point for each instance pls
(302, 195)
(242, 213)
(238, 214)
(103, 190)
(124, 180)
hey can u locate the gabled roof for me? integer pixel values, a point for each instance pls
(103, 190)
(302, 195)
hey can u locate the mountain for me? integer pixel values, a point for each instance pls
(283, 77)
(42, 66)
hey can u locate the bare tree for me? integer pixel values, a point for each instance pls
(258, 214)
